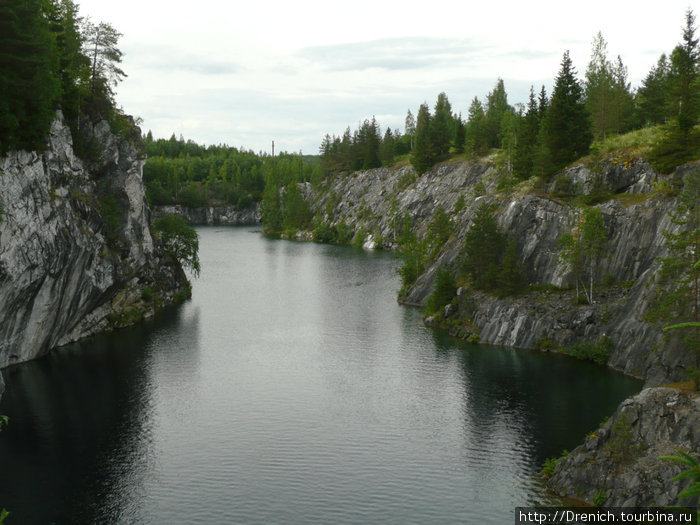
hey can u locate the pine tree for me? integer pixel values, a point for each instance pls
(567, 131)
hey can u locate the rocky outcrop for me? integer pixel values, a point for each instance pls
(76, 252)
(620, 463)
(375, 201)
(213, 215)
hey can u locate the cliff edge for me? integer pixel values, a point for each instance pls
(77, 256)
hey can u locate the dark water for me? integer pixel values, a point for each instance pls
(291, 389)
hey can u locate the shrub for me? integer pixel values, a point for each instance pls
(180, 241)
(443, 293)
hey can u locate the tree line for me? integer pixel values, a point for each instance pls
(543, 136)
(52, 58)
(193, 175)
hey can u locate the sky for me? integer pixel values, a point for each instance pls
(247, 73)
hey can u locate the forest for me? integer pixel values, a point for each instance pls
(550, 131)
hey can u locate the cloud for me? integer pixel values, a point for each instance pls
(172, 58)
(395, 54)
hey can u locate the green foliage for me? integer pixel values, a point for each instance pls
(489, 258)
(691, 472)
(112, 215)
(180, 241)
(444, 291)
(600, 498)
(422, 157)
(567, 131)
(621, 445)
(29, 81)
(460, 204)
(439, 231)
(584, 248)
(597, 352)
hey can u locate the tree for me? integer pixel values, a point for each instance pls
(460, 135)
(622, 98)
(180, 241)
(100, 45)
(496, 107)
(386, 149)
(677, 302)
(526, 148)
(476, 134)
(599, 88)
(422, 157)
(29, 84)
(410, 128)
(584, 248)
(652, 101)
(440, 128)
(567, 131)
(685, 94)
(483, 249)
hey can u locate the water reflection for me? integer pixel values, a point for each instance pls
(292, 388)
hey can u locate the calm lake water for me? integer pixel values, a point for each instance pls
(292, 388)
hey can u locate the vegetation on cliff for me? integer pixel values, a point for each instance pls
(542, 137)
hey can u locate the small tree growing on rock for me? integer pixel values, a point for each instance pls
(584, 248)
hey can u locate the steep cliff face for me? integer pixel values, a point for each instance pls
(636, 218)
(621, 461)
(76, 252)
(213, 215)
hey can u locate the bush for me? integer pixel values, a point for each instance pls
(443, 293)
(180, 241)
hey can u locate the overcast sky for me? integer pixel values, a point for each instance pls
(247, 73)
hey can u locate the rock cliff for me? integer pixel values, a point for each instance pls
(76, 252)
(213, 215)
(636, 217)
(620, 463)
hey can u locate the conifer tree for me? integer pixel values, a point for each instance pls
(422, 157)
(567, 132)
(652, 101)
(599, 88)
(476, 139)
(440, 133)
(29, 83)
(525, 151)
(496, 107)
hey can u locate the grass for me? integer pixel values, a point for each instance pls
(638, 141)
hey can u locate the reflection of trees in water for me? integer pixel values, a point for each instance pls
(537, 402)
(81, 425)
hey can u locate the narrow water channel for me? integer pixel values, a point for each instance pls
(292, 388)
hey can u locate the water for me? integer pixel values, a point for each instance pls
(291, 389)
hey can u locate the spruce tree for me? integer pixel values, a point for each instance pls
(567, 128)
(440, 132)
(652, 101)
(29, 84)
(422, 157)
(526, 148)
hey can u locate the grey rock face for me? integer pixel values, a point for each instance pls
(220, 215)
(621, 460)
(375, 201)
(61, 278)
